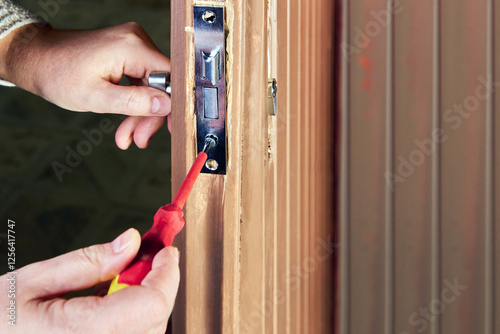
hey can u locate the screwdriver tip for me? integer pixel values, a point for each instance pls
(210, 141)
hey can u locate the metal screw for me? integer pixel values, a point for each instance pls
(211, 164)
(210, 141)
(208, 16)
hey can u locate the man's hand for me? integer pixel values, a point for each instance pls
(80, 71)
(135, 309)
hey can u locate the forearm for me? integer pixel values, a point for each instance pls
(16, 25)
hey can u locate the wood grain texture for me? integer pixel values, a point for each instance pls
(293, 98)
(280, 22)
(204, 209)
(256, 256)
(179, 139)
(232, 188)
(304, 149)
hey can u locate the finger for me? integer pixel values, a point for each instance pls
(135, 309)
(146, 307)
(142, 61)
(146, 129)
(141, 53)
(169, 122)
(83, 268)
(144, 34)
(165, 275)
(129, 100)
(124, 133)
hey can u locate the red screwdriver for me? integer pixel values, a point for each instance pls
(168, 221)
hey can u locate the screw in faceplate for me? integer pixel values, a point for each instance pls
(208, 16)
(211, 140)
(211, 164)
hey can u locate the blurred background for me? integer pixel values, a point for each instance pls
(110, 190)
(418, 174)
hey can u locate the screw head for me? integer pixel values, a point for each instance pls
(208, 16)
(211, 164)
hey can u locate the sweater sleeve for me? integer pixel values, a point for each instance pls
(13, 16)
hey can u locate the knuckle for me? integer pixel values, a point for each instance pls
(133, 39)
(133, 32)
(130, 101)
(134, 26)
(92, 254)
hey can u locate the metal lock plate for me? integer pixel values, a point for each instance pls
(210, 91)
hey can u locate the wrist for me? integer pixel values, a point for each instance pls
(5, 43)
(17, 51)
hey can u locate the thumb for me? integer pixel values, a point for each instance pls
(130, 100)
(83, 268)
(164, 275)
(153, 300)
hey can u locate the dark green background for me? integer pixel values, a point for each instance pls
(111, 190)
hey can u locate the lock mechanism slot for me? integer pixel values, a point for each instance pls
(210, 89)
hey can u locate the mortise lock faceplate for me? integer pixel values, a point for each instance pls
(210, 91)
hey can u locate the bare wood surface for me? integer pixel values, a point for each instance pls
(254, 155)
(282, 128)
(179, 139)
(249, 248)
(294, 136)
(304, 149)
(199, 300)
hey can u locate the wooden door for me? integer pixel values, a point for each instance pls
(257, 249)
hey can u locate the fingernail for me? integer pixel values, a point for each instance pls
(160, 105)
(122, 241)
(174, 252)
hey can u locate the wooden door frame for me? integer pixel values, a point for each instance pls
(247, 229)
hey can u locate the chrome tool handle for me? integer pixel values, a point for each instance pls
(161, 81)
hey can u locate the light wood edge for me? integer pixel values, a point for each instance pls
(178, 59)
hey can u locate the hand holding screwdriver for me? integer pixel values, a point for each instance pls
(168, 222)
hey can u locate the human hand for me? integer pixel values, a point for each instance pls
(80, 70)
(135, 309)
